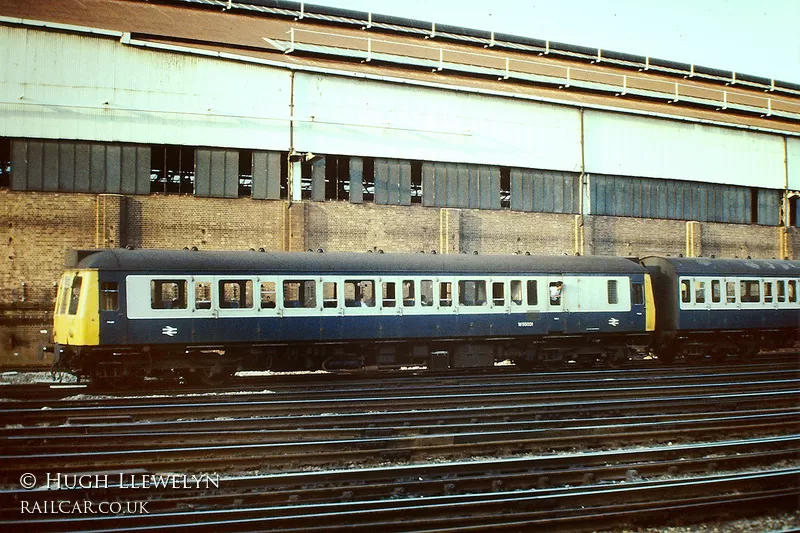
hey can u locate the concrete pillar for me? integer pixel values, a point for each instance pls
(694, 239)
(449, 231)
(110, 221)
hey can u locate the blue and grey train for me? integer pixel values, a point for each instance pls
(129, 314)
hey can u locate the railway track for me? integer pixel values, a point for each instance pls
(574, 452)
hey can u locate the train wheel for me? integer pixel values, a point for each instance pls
(552, 360)
(666, 356)
(718, 355)
(616, 358)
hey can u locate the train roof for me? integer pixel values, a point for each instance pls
(143, 260)
(702, 266)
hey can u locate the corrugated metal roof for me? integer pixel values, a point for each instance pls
(244, 30)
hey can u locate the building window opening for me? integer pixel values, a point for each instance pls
(505, 187)
(791, 217)
(172, 169)
(368, 179)
(245, 174)
(5, 163)
(754, 206)
(416, 182)
(337, 177)
(305, 180)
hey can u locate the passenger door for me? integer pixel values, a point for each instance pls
(555, 299)
(204, 309)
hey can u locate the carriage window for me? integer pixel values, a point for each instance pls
(75, 295)
(700, 292)
(426, 293)
(613, 296)
(516, 292)
(446, 294)
(730, 291)
(330, 298)
(749, 291)
(686, 295)
(716, 293)
(168, 294)
(409, 296)
(768, 291)
(389, 297)
(359, 293)
(498, 293)
(533, 296)
(637, 294)
(109, 296)
(236, 294)
(202, 295)
(781, 288)
(299, 293)
(792, 291)
(268, 297)
(472, 292)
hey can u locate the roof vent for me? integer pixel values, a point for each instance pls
(194, 248)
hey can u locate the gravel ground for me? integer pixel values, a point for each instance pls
(762, 524)
(14, 378)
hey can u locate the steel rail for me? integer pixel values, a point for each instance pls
(574, 507)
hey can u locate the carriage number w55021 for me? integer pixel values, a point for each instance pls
(525, 324)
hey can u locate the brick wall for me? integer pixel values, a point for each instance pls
(634, 236)
(36, 230)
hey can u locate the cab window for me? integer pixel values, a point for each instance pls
(66, 283)
(75, 295)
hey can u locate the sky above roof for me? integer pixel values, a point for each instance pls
(756, 37)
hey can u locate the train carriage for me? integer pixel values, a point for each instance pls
(123, 313)
(721, 307)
